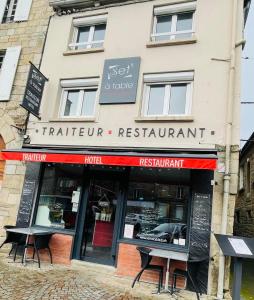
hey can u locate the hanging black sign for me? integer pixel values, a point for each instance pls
(34, 90)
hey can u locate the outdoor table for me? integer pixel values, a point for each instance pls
(29, 231)
(169, 254)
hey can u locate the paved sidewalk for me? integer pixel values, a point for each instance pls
(79, 282)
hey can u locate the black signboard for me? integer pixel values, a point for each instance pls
(201, 226)
(120, 80)
(199, 247)
(238, 248)
(28, 194)
(34, 90)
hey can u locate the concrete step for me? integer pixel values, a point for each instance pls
(92, 267)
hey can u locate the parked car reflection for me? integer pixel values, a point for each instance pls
(165, 233)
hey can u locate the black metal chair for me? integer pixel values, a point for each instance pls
(188, 276)
(40, 242)
(16, 239)
(145, 265)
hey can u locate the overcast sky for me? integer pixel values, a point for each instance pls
(247, 110)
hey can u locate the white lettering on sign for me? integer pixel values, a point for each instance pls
(34, 157)
(117, 70)
(90, 160)
(161, 163)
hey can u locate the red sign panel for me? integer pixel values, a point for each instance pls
(115, 160)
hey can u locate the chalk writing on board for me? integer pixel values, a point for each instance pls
(26, 203)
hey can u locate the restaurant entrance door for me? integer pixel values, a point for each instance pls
(102, 215)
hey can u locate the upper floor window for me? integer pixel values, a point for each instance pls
(2, 54)
(168, 94)
(88, 32)
(9, 12)
(14, 10)
(78, 98)
(173, 22)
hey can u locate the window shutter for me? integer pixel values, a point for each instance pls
(175, 8)
(2, 9)
(8, 72)
(22, 10)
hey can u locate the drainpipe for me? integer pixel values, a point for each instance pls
(229, 117)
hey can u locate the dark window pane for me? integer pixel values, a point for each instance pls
(83, 34)
(99, 32)
(163, 24)
(184, 21)
(71, 103)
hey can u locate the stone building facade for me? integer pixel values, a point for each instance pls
(244, 208)
(23, 27)
(146, 110)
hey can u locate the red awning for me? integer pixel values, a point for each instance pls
(179, 161)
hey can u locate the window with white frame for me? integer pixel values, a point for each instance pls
(168, 94)
(78, 98)
(173, 22)
(88, 32)
(14, 10)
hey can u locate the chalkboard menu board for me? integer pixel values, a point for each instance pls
(199, 248)
(28, 194)
(200, 226)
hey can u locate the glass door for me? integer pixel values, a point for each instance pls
(101, 209)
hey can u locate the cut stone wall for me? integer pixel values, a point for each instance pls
(30, 36)
(244, 210)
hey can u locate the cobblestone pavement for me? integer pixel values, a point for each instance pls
(18, 282)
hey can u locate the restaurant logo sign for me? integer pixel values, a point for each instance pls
(34, 90)
(123, 133)
(120, 80)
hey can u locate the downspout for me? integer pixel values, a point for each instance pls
(229, 121)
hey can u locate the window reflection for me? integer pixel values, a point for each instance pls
(156, 208)
(59, 196)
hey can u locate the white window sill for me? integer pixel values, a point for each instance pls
(153, 44)
(89, 119)
(83, 51)
(188, 118)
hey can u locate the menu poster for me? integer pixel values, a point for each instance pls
(74, 207)
(128, 231)
(239, 246)
(75, 196)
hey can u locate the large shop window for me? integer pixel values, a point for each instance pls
(173, 22)
(59, 196)
(157, 206)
